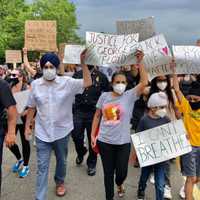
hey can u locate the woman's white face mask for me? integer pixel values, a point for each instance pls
(119, 88)
(49, 74)
(162, 85)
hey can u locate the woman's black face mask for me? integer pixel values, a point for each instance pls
(13, 81)
(195, 105)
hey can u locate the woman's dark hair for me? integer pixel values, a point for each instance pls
(116, 74)
(154, 88)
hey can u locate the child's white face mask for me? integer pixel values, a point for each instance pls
(161, 112)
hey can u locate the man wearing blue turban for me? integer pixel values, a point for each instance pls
(52, 96)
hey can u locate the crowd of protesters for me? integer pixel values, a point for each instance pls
(109, 110)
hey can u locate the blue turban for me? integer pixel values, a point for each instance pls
(50, 57)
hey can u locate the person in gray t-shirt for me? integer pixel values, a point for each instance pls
(114, 110)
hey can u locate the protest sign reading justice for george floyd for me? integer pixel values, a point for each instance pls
(145, 27)
(40, 35)
(161, 143)
(13, 56)
(187, 59)
(157, 55)
(110, 50)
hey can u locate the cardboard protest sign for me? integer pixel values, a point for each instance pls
(157, 55)
(161, 143)
(72, 54)
(145, 27)
(13, 56)
(21, 99)
(187, 59)
(110, 50)
(40, 35)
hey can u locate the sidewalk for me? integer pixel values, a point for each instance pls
(79, 185)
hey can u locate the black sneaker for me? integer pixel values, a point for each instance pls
(91, 171)
(79, 159)
(140, 195)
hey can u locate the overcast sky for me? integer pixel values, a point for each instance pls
(179, 20)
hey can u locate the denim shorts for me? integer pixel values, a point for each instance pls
(190, 163)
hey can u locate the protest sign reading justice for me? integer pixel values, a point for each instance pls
(145, 27)
(40, 35)
(13, 56)
(110, 50)
(161, 143)
(157, 55)
(72, 54)
(187, 59)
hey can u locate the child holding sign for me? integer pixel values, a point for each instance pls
(190, 107)
(157, 116)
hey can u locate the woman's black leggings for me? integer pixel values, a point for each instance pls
(25, 145)
(115, 161)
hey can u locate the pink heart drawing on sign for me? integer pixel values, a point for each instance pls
(165, 50)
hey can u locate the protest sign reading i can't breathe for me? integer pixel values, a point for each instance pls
(145, 27)
(187, 59)
(161, 143)
(72, 54)
(157, 55)
(110, 50)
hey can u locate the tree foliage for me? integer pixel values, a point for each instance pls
(14, 13)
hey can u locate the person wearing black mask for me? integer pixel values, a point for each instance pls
(190, 108)
(84, 109)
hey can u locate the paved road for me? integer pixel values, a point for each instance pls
(79, 185)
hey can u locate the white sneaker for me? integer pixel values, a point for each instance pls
(152, 179)
(182, 192)
(167, 192)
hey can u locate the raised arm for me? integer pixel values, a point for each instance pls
(177, 90)
(27, 64)
(143, 74)
(86, 73)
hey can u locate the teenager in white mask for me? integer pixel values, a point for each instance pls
(163, 84)
(114, 110)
